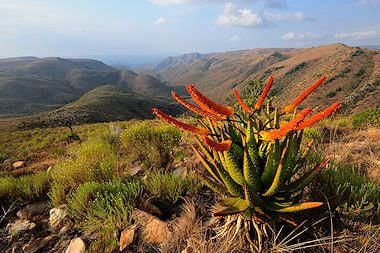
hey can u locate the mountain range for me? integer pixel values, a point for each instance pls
(31, 85)
(353, 73)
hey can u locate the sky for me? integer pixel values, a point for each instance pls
(76, 28)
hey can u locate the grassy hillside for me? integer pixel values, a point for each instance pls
(354, 73)
(110, 103)
(137, 177)
(30, 85)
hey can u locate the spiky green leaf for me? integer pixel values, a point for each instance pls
(240, 206)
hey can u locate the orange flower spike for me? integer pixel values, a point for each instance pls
(196, 109)
(207, 104)
(319, 116)
(179, 124)
(300, 98)
(217, 146)
(285, 128)
(266, 90)
(243, 105)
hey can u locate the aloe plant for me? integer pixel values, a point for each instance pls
(253, 158)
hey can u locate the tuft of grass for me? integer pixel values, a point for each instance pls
(151, 145)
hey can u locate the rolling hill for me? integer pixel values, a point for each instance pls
(112, 103)
(30, 85)
(353, 73)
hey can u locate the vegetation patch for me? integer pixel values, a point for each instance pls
(150, 145)
(367, 118)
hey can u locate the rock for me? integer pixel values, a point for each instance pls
(20, 225)
(37, 244)
(76, 246)
(19, 164)
(126, 237)
(58, 217)
(152, 230)
(135, 170)
(33, 212)
(180, 172)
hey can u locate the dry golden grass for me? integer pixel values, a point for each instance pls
(356, 148)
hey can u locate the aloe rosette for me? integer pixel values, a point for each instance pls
(253, 158)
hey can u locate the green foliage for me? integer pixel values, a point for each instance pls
(29, 187)
(351, 192)
(104, 208)
(95, 160)
(150, 144)
(367, 118)
(166, 187)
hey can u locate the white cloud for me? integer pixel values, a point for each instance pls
(358, 35)
(235, 38)
(169, 2)
(301, 36)
(233, 16)
(161, 21)
(276, 17)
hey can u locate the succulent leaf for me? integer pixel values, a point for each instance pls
(297, 207)
(277, 178)
(240, 206)
(233, 167)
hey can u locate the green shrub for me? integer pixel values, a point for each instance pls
(166, 187)
(104, 208)
(150, 144)
(351, 192)
(7, 187)
(367, 118)
(27, 187)
(95, 160)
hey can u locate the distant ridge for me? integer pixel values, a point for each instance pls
(30, 85)
(354, 73)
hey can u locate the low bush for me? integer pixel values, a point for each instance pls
(150, 144)
(367, 118)
(29, 187)
(351, 192)
(166, 187)
(104, 208)
(95, 160)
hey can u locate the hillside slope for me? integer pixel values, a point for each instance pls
(112, 103)
(30, 85)
(353, 73)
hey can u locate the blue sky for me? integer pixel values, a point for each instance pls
(73, 28)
